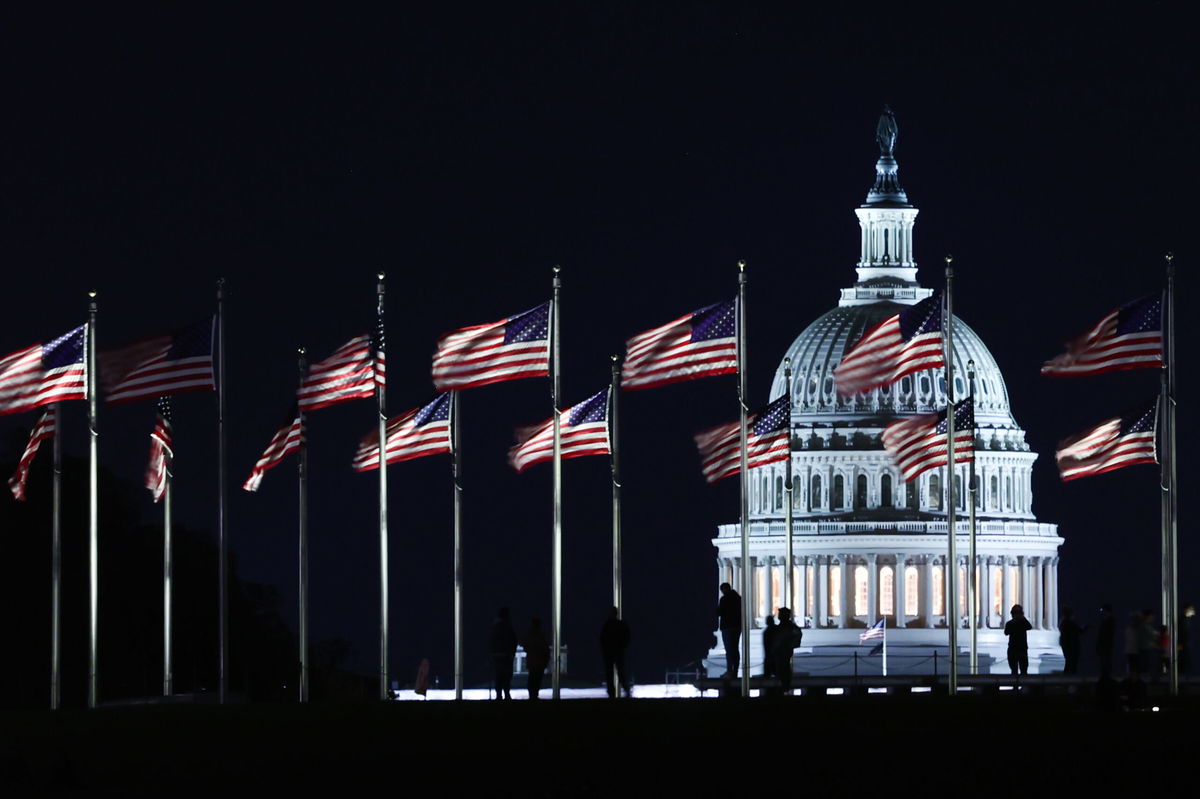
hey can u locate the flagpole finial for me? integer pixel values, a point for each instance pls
(615, 358)
(741, 266)
(300, 350)
(380, 275)
(1170, 257)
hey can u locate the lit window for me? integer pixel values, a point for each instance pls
(997, 591)
(911, 592)
(994, 492)
(887, 589)
(810, 603)
(962, 590)
(778, 493)
(935, 491)
(814, 498)
(939, 590)
(776, 588)
(835, 590)
(760, 580)
(860, 590)
(797, 604)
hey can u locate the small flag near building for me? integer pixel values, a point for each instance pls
(918, 444)
(510, 349)
(1115, 443)
(287, 439)
(161, 455)
(413, 434)
(46, 427)
(872, 633)
(700, 344)
(348, 374)
(175, 363)
(900, 345)
(44, 373)
(583, 430)
(721, 447)
(1128, 338)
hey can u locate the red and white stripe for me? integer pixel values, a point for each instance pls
(1103, 449)
(24, 386)
(288, 439)
(1099, 350)
(477, 356)
(721, 449)
(405, 441)
(142, 371)
(535, 443)
(161, 458)
(668, 355)
(45, 428)
(916, 445)
(882, 356)
(348, 374)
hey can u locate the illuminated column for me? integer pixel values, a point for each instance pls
(1054, 586)
(872, 589)
(821, 592)
(800, 586)
(847, 579)
(900, 592)
(1006, 601)
(927, 589)
(768, 586)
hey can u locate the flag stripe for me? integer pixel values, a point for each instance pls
(37, 376)
(46, 427)
(176, 363)
(478, 355)
(918, 444)
(720, 447)
(1129, 337)
(287, 439)
(348, 374)
(1113, 444)
(677, 351)
(413, 434)
(885, 353)
(588, 436)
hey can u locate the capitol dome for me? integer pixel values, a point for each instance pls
(866, 544)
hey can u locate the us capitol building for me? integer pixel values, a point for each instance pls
(866, 543)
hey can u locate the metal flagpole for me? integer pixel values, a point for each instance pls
(884, 619)
(1172, 621)
(614, 441)
(302, 531)
(456, 466)
(93, 507)
(222, 508)
(951, 597)
(972, 570)
(56, 563)
(168, 687)
(556, 599)
(747, 584)
(383, 518)
(788, 496)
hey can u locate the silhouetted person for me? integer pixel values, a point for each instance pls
(1069, 633)
(1183, 638)
(769, 631)
(502, 645)
(614, 640)
(1148, 644)
(729, 614)
(787, 637)
(1106, 632)
(537, 656)
(1018, 641)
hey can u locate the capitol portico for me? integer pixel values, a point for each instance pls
(866, 544)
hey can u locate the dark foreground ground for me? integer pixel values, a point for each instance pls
(839, 745)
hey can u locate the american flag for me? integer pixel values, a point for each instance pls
(174, 363)
(44, 373)
(45, 428)
(699, 344)
(348, 374)
(905, 342)
(583, 430)
(288, 439)
(767, 442)
(918, 443)
(161, 455)
(872, 633)
(512, 348)
(413, 434)
(1128, 338)
(1122, 441)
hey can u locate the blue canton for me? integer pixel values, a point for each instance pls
(533, 325)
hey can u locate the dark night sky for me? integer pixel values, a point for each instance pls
(646, 150)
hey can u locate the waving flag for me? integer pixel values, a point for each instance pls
(287, 439)
(900, 345)
(161, 455)
(767, 442)
(699, 344)
(918, 443)
(174, 363)
(346, 375)
(1113, 444)
(875, 631)
(45, 428)
(44, 373)
(413, 434)
(583, 430)
(1128, 338)
(512, 348)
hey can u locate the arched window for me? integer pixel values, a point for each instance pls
(860, 590)
(993, 493)
(910, 494)
(797, 492)
(778, 493)
(912, 594)
(814, 497)
(1008, 499)
(887, 591)
(835, 590)
(885, 491)
(939, 590)
(860, 491)
(838, 500)
(763, 497)
(958, 503)
(935, 491)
